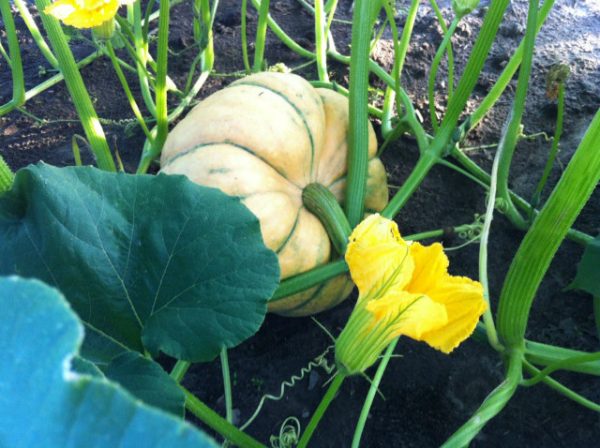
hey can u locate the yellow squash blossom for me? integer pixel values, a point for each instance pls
(85, 13)
(404, 289)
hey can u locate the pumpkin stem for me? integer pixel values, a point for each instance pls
(322, 203)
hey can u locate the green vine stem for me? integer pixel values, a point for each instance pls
(162, 122)
(244, 35)
(179, 370)
(261, 36)
(364, 413)
(35, 32)
(15, 63)
(563, 390)
(492, 405)
(132, 103)
(563, 364)
(543, 354)
(226, 385)
(512, 132)
(449, 51)
(6, 176)
(81, 98)
(358, 135)
(218, 423)
(456, 105)
(400, 51)
(321, 41)
(322, 203)
(435, 65)
(547, 232)
(134, 13)
(325, 402)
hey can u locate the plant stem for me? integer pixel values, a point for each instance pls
(321, 41)
(322, 203)
(543, 354)
(227, 385)
(15, 63)
(179, 370)
(79, 94)
(434, 69)
(547, 232)
(449, 52)
(141, 47)
(35, 32)
(244, 33)
(492, 405)
(510, 137)
(218, 423)
(162, 123)
(364, 413)
(325, 402)
(565, 391)
(358, 135)
(261, 36)
(563, 364)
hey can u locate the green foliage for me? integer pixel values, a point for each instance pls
(148, 262)
(147, 381)
(588, 271)
(44, 402)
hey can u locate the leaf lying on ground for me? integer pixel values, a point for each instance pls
(42, 401)
(153, 263)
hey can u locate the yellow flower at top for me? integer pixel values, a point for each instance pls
(404, 289)
(85, 13)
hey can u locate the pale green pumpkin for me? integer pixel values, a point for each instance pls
(263, 139)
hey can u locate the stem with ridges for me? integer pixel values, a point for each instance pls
(79, 94)
(324, 205)
(364, 413)
(15, 63)
(261, 36)
(325, 402)
(492, 405)
(218, 423)
(358, 131)
(547, 232)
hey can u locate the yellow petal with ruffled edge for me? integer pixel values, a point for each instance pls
(461, 296)
(83, 13)
(378, 257)
(403, 313)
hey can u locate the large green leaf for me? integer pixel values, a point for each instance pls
(44, 403)
(588, 271)
(147, 381)
(148, 262)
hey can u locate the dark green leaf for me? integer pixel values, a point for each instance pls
(146, 380)
(588, 271)
(148, 262)
(44, 403)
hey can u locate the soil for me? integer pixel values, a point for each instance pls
(428, 395)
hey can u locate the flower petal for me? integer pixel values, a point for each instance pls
(403, 313)
(378, 257)
(464, 303)
(431, 266)
(86, 14)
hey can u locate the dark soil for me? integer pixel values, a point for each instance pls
(428, 395)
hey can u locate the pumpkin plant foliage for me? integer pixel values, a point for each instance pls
(152, 263)
(43, 401)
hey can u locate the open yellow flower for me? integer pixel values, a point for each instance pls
(404, 289)
(85, 13)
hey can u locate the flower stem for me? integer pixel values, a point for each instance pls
(81, 98)
(316, 417)
(261, 36)
(372, 392)
(227, 385)
(218, 423)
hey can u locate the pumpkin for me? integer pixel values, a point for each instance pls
(263, 139)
